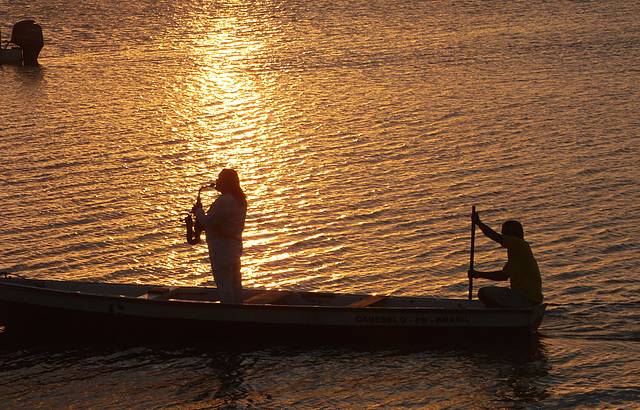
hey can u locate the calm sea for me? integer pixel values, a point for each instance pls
(363, 132)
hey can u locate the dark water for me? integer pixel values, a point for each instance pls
(279, 378)
(363, 132)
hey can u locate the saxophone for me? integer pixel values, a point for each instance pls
(193, 227)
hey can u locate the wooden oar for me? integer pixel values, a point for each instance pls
(473, 241)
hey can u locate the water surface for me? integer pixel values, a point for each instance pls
(363, 132)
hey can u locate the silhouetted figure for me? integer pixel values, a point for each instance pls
(223, 224)
(521, 269)
(28, 36)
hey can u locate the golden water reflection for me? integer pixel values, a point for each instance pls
(363, 132)
(232, 105)
(361, 145)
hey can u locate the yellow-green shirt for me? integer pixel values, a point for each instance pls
(522, 268)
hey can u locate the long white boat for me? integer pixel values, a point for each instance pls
(93, 308)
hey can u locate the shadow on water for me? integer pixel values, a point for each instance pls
(528, 345)
(244, 375)
(29, 76)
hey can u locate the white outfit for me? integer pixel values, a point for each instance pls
(224, 223)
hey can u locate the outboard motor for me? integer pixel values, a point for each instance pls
(28, 36)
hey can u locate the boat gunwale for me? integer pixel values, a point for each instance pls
(275, 306)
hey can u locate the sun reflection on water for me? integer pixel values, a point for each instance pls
(231, 105)
(362, 132)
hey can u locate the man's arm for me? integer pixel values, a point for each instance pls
(490, 233)
(201, 216)
(212, 219)
(497, 275)
(208, 219)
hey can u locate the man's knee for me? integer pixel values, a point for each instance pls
(496, 296)
(490, 296)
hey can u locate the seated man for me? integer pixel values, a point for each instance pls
(521, 269)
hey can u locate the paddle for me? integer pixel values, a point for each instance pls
(473, 240)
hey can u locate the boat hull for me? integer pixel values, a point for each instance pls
(56, 313)
(11, 56)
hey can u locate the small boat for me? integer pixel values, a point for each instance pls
(24, 46)
(95, 308)
(10, 55)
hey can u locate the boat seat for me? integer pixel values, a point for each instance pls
(159, 293)
(266, 297)
(368, 301)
